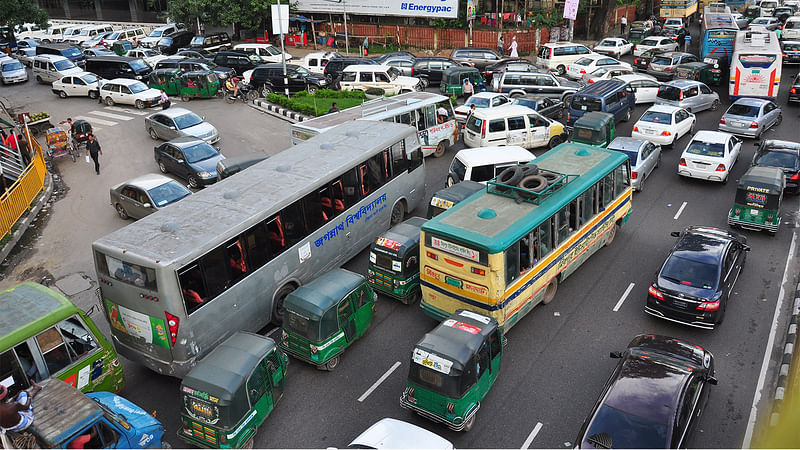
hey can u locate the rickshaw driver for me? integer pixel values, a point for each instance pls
(17, 415)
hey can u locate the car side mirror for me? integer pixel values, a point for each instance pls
(172, 127)
(615, 355)
(147, 205)
(711, 380)
(675, 234)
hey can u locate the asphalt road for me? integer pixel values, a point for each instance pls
(556, 360)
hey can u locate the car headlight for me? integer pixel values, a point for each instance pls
(323, 82)
(204, 174)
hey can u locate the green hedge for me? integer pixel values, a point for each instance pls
(303, 106)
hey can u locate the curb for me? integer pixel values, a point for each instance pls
(48, 191)
(277, 111)
(786, 360)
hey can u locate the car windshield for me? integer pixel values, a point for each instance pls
(657, 117)
(583, 103)
(14, 65)
(769, 4)
(648, 41)
(532, 104)
(479, 102)
(625, 430)
(714, 149)
(168, 193)
(64, 65)
(662, 60)
(71, 52)
(197, 41)
(669, 93)
(791, 24)
(114, 35)
(155, 33)
(139, 65)
(599, 72)
(273, 51)
(791, 46)
(743, 110)
(760, 21)
(607, 43)
(199, 152)
(138, 87)
(690, 273)
(187, 120)
(584, 62)
(777, 159)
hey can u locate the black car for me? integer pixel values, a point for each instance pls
(169, 45)
(268, 78)
(70, 51)
(784, 155)
(507, 65)
(676, 34)
(475, 57)
(654, 397)
(794, 91)
(548, 107)
(212, 42)
(381, 58)
(192, 65)
(430, 69)
(238, 61)
(197, 53)
(333, 70)
(694, 284)
(642, 61)
(783, 13)
(190, 158)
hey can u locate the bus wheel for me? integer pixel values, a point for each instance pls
(470, 422)
(277, 309)
(398, 211)
(332, 364)
(550, 291)
(440, 149)
(611, 234)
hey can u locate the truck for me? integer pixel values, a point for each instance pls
(678, 8)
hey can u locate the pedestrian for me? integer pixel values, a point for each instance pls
(334, 108)
(623, 23)
(513, 48)
(93, 149)
(500, 45)
(100, 83)
(687, 41)
(165, 103)
(23, 149)
(442, 113)
(18, 414)
(472, 109)
(366, 45)
(468, 89)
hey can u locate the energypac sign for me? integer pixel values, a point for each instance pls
(413, 8)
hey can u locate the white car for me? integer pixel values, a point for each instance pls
(590, 63)
(83, 84)
(656, 42)
(149, 56)
(395, 434)
(614, 47)
(710, 155)
(129, 92)
(481, 100)
(664, 125)
(645, 86)
(791, 29)
(605, 73)
(673, 22)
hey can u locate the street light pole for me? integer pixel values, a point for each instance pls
(346, 39)
(283, 53)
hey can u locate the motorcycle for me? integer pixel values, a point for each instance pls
(246, 93)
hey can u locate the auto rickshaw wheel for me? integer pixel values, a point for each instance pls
(550, 291)
(440, 150)
(185, 98)
(332, 364)
(470, 422)
(73, 153)
(250, 442)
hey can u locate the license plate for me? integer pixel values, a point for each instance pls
(648, 132)
(679, 304)
(754, 212)
(452, 281)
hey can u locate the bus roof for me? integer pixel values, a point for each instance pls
(187, 228)
(717, 20)
(30, 305)
(759, 40)
(511, 219)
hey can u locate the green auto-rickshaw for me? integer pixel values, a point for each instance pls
(325, 316)
(453, 80)
(231, 391)
(121, 47)
(394, 261)
(446, 198)
(452, 369)
(720, 66)
(594, 128)
(699, 70)
(166, 79)
(757, 205)
(198, 84)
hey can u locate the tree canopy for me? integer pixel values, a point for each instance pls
(248, 14)
(17, 12)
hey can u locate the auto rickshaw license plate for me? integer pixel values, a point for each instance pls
(442, 203)
(452, 281)
(753, 212)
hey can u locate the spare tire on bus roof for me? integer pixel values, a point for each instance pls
(551, 177)
(510, 176)
(529, 169)
(533, 183)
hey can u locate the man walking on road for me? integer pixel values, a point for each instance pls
(93, 149)
(623, 23)
(687, 41)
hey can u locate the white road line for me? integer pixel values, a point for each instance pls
(531, 436)
(94, 120)
(680, 210)
(113, 116)
(751, 422)
(127, 110)
(380, 380)
(624, 296)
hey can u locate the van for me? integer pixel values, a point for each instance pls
(315, 61)
(53, 34)
(484, 163)
(69, 51)
(49, 68)
(512, 125)
(44, 335)
(73, 30)
(267, 53)
(360, 77)
(611, 96)
(88, 33)
(110, 67)
(556, 55)
(160, 32)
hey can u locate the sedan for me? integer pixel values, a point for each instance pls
(695, 282)
(189, 158)
(751, 117)
(664, 124)
(794, 91)
(641, 62)
(791, 51)
(710, 156)
(591, 62)
(644, 156)
(392, 433)
(740, 19)
(176, 122)
(146, 194)
(645, 87)
(97, 51)
(604, 73)
(614, 47)
(770, 23)
(662, 43)
(782, 154)
(676, 34)
(81, 85)
(480, 100)
(654, 397)
(548, 107)
(12, 71)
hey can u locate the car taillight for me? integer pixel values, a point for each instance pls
(722, 120)
(591, 81)
(172, 324)
(682, 162)
(488, 73)
(721, 168)
(583, 71)
(753, 124)
(550, 55)
(634, 175)
(708, 306)
(412, 71)
(653, 292)
(635, 61)
(483, 129)
(635, 128)
(665, 133)
(793, 90)
(680, 97)
(794, 177)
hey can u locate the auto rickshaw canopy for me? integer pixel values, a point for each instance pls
(324, 293)
(768, 180)
(198, 76)
(163, 76)
(456, 75)
(459, 338)
(402, 236)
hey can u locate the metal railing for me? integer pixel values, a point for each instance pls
(19, 196)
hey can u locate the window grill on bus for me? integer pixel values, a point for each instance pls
(555, 181)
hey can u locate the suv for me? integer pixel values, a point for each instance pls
(211, 42)
(335, 66)
(238, 61)
(663, 65)
(268, 78)
(163, 31)
(430, 69)
(169, 45)
(543, 84)
(496, 70)
(475, 57)
(557, 55)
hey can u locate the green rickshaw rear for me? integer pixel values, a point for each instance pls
(166, 80)
(757, 205)
(453, 80)
(594, 128)
(699, 71)
(198, 84)
(394, 261)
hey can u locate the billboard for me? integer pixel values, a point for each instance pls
(431, 9)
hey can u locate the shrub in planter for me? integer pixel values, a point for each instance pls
(375, 91)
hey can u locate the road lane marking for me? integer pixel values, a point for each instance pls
(531, 436)
(751, 421)
(624, 296)
(94, 120)
(128, 111)
(680, 210)
(110, 115)
(380, 380)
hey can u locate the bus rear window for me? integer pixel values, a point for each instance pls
(762, 61)
(127, 272)
(722, 34)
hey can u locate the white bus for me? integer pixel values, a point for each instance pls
(756, 65)
(412, 108)
(179, 281)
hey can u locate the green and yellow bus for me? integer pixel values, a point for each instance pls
(43, 335)
(504, 250)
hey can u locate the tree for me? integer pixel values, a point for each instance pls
(17, 12)
(601, 16)
(247, 14)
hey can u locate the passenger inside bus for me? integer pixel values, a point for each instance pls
(236, 260)
(192, 287)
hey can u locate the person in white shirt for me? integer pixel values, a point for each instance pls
(513, 48)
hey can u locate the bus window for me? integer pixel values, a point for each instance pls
(337, 193)
(525, 253)
(587, 206)
(350, 183)
(387, 164)
(54, 350)
(621, 179)
(318, 208)
(376, 171)
(562, 224)
(293, 223)
(277, 237)
(573, 215)
(399, 159)
(607, 191)
(215, 272)
(194, 291)
(78, 337)
(512, 263)
(236, 261)
(430, 116)
(405, 118)
(257, 246)
(362, 175)
(127, 272)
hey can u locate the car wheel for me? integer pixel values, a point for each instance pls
(627, 115)
(153, 134)
(561, 70)
(778, 120)
(567, 100)
(332, 364)
(139, 104)
(440, 150)
(162, 167)
(715, 105)
(39, 79)
(62, 94)
(691, 130)
(121, 211)
(450, 181)
(193, 182)
(550, 291)
(93, 94)
(265, 91)
(398, 212)
(554, 141)
(425, 82)
(641, 183)
(109, 101)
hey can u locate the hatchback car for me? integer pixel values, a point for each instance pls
(662, 43)
(654, 397)
(694, 285)
(474, 57)
(547, 107)
(751, 117)
(710, 155)
(782, 154)
(663, 65)
(692, 95)
(129, 92)
(189, 158)
(664, 124)
(791, 29)
(644, 156)
(645, 87)
(480, 100)
(430, 69)
(177, 122)
(145, 195)
(12, 71)
(589, 63)
(614, 47)
(80, 85)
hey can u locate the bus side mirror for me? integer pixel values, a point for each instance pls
(615, 355)
(675, 234)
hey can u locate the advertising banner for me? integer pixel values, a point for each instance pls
(571, 9)
(431, 9)
(471, 9)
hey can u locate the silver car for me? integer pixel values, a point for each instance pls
(401, 63)
(693, 96)
(146, 194)
(177, 122)
(662, 66)
(750, 117)
(645, 156)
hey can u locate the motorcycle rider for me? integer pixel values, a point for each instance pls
(232, 86)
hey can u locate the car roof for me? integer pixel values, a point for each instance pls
(612, 38)
(663, 108)
(751, 101)
(780, 145)
(51, 57)
(372, 67)
(627, 78)
(719, 137)
(125, 81)
(504, 110)
(481, 156)
(563, 44)
(701, 247)
(148, 181)
(626, 143)
(683, 83)
(488, 95)
(174, 111)
(392, 433)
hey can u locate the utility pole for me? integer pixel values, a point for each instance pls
(346, 39)
(283, 52)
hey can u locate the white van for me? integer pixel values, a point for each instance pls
(512, 125)
(53, 34)
(88, 33)
(28, 31)
(163, 31)
(267, 52)
(49, 68)
(131, 34)
(315, 61)
(557, 55)
(71, 32)
(484, 163)
(360, 77)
